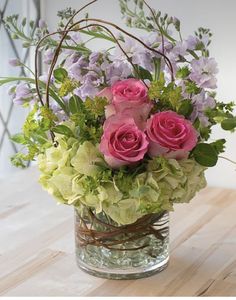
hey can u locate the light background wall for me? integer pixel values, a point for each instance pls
(14, 114)
(215, 14)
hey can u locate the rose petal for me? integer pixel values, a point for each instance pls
(105, 93)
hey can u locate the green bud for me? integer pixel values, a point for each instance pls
(26, 45)
(176, 23)
(169, 20)
(158, 14)
(23, 23)
(128, 21)
(140, 4)
(31, 24)
(14, 36)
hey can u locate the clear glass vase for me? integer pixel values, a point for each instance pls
(105, 249)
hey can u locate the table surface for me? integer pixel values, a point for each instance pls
(37, 247)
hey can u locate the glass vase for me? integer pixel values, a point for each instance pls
(105, 249)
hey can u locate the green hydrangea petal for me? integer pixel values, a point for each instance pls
(85, 159)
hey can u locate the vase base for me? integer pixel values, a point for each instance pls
(119, 274)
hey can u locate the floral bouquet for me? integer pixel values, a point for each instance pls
(120, 134)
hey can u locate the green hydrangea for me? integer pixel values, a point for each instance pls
(77, 175)
(56, 171)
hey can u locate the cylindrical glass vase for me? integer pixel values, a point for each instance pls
(105, 249)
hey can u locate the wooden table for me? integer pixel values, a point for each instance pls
(37, 247)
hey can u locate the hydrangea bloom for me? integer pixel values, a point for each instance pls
(66, 169)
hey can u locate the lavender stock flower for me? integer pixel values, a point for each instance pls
(192, 42)
(201, 102)
(117, 70)
(180, 49)
(22, 94)
(204, 71)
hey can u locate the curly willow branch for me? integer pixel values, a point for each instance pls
(109, 235)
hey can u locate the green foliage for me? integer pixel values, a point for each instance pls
(88, 117)
(156, 87)
(169, 97)
(66, 13)
(67, 87)
(205, 154)
(34, 135)
(185, 108)
(64, 130)
(96, 106)
(60, 74)
(222, 114)
(74, 105)
(47, 118)
(229, 124)
(136, 17)
(19, 138)
(219, 146)
(143, 73)
(192, 88)
(183, 72)
(19, 29)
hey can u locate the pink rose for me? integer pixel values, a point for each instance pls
(122, 143)
(129, 93)
(129, 96)
(170, 135)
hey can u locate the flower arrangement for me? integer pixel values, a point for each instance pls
(124, 131)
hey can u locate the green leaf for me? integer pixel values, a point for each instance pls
(74, 104)
(17, 161)
(19, 138)
(62, 129)
(183, 72)
(98, 35)
(60, 74)
(219, 146)
(144, 74)
(205, 155)
(192, 88)
(185, 108)
(229, 124)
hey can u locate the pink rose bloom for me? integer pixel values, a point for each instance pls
(170, 135)
(122, 143)
(129, 96)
